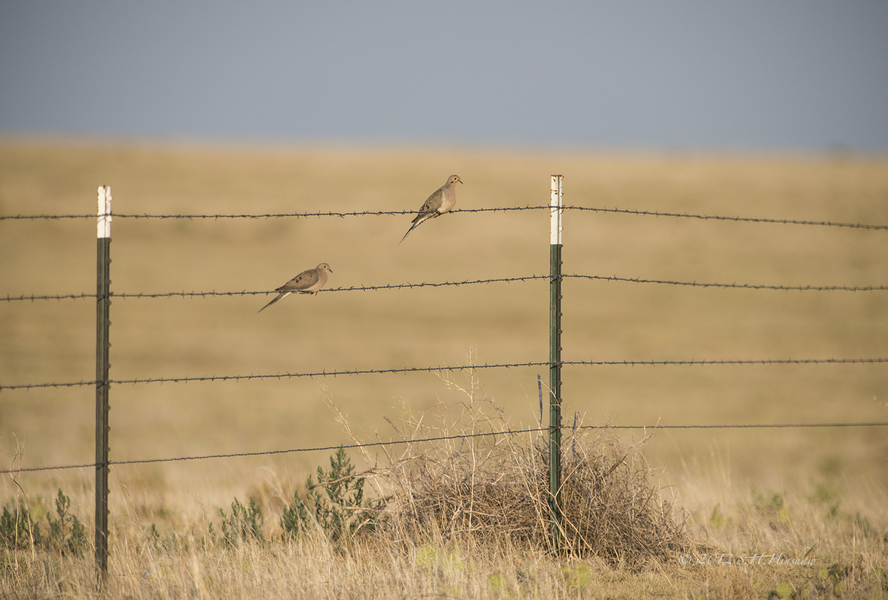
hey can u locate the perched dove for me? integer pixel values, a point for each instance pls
(440, 202)
(307, 282)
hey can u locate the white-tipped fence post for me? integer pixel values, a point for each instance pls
(555, 362)
(103, 304)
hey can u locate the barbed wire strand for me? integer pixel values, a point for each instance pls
(441, 438)
(628, 211)
(626, 363)
(359, 288)
(359, 213)
(398, 286)
(652, 213)
(728, 362)
(745, 286)
(283, 375)
(31, 386)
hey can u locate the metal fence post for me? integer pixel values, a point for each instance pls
(103, 304)
(555, 362)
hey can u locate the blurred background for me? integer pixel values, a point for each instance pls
(754, 109)
(684, 75)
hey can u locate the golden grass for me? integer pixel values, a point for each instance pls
(456, 527)
(47, 341)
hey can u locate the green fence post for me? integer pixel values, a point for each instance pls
(555, 363)
(103, 304)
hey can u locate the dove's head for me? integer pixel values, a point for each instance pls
(324, 267)
(453, 179)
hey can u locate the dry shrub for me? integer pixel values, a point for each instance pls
(611, 508)
(484, 482)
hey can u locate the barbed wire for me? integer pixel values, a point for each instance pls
(35, 297)
(318, 214)
(53, 468)
(343, 214)
(726, 362)
(652, 213)
(32, 386)
(324, 373)
(399, 286)
(462, 436)
(404, 370)
(309, 375)
(359, 288)
(44, 217)
(288, 451)
(745, 286)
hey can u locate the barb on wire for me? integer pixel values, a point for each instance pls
(442, 438)
(744, 286)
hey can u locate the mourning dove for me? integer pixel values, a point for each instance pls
(440, 202)
(307, 282)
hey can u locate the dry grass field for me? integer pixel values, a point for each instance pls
(742, 492)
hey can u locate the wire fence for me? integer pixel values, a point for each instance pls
(406, 370)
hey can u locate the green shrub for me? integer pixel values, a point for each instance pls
(66, 534)
(243, 524)
(17, 527)
(341, 512)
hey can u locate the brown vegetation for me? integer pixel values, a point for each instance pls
(490, 485)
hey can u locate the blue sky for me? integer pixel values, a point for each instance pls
(698, 75)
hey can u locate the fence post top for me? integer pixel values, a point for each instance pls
(556, 210)
(104, 213)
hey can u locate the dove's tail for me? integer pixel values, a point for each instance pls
(408, 232)
(278, 297)
(419, 220)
